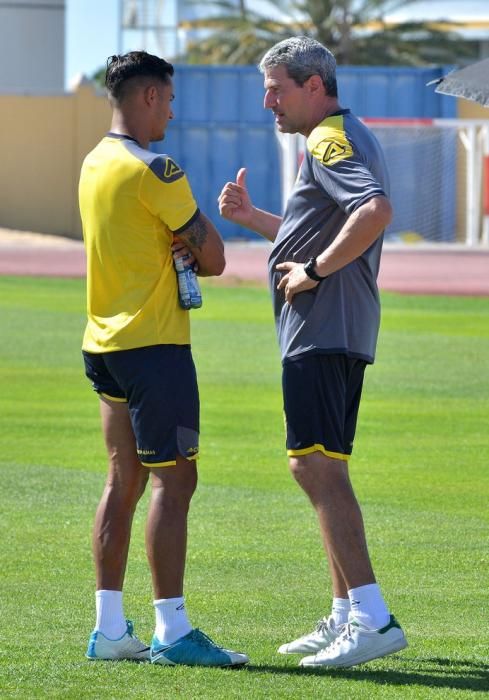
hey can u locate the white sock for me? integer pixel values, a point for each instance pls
(340, 609)
(368, 606)
(110, 615)
(171, 619)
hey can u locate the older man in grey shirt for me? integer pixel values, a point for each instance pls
(323, 269)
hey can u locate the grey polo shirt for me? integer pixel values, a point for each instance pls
(343, 168)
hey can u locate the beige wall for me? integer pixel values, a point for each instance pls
(466, 109)
(43, 140)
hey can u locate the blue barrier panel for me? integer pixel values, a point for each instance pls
(220, 125)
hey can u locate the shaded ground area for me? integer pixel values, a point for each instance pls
(434, 269)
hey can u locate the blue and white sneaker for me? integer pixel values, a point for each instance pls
(194, 649)
(126, 647)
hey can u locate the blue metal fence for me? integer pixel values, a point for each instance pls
(220, 125)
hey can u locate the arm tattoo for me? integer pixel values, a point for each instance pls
(196, 234)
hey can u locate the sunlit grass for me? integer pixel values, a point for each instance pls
(256, 575)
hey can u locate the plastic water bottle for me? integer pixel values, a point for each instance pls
(189, 294)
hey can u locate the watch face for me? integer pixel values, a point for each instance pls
(309, 270)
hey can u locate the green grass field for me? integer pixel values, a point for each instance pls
(256, 576)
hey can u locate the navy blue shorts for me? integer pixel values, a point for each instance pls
(159, 384)
(321, 401)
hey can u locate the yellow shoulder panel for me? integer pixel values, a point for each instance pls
(328, 142)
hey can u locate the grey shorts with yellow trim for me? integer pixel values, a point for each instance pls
(159, 384)
(321, 400)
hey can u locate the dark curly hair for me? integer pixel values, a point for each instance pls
(134, 64)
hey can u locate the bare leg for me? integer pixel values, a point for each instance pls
(166, 527)
(328, 486)
(338, 583)
(125, 484)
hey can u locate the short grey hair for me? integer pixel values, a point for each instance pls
(303, 57)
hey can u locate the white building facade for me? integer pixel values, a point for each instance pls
(32, 46)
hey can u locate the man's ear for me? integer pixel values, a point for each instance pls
(150, 94)
(315, 85)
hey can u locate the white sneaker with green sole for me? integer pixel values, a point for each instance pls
(357, 644)
(326, 632)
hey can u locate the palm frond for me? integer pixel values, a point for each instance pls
(354, 30)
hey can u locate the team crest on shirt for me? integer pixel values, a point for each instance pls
(171, 168)
(329, 143)
(168, 171)
(334, 151)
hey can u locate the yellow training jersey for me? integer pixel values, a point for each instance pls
(132, 201)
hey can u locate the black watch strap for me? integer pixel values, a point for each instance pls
(310, 272)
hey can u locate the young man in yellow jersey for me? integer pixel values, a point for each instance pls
(134, 203)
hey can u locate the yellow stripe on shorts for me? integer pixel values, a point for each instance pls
(172, 463)
(318, 448)
(116, 399)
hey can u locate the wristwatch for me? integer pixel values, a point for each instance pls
(310, 271)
